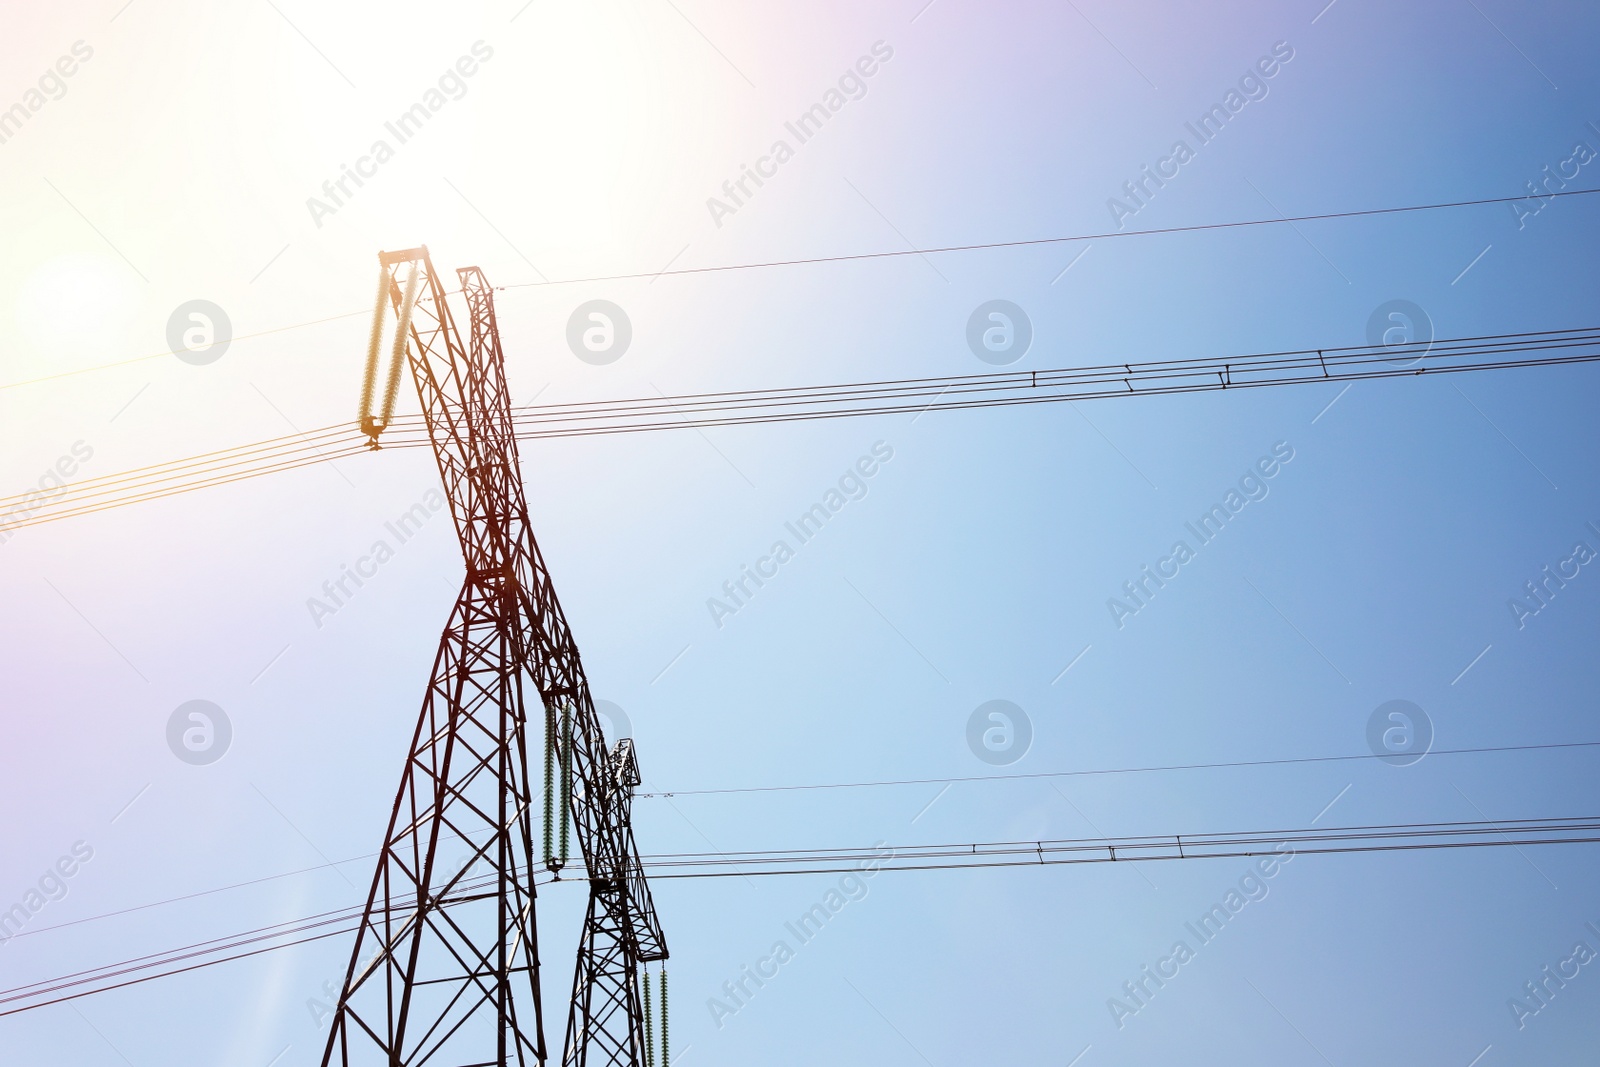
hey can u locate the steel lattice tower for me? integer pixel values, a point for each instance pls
(445, 969)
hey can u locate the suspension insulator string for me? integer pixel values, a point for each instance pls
(666, 1059)
(649, 1036)
(374, 423)
(364, 417)
(402, 329)
(549, 786)
(566, 776)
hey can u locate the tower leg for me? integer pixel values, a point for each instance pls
(604, 1026)
(446, 965)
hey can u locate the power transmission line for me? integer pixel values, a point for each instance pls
(162, 355)
(750, 407)
(1290, 761)
(771, 863)
(1036, 241)
(176, 961)
(260, 457)
(841, 400)
(850, 257)
(984, 855)
(658, 794)
(36, 931)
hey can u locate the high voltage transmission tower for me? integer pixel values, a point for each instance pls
(445, 968)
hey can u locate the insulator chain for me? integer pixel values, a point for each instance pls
(374, 423)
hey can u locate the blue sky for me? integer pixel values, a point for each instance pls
(176, 164)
